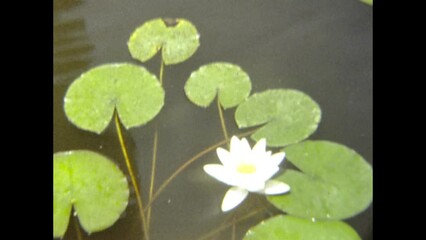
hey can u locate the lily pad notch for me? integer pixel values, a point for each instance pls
(228, 81)
(335, 182)
(285, 116)
(177, 38)
(91, 184)
(131, 90)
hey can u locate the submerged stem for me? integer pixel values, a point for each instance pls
(187, 163)
(161, 71)
(234, 222)
(222, 120)
(132, 176)
(154, 155)
(151, 186)
(233, 227)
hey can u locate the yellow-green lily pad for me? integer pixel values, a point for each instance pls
(132, 90)
(93, 185)
(288, 116)
(178, 39)
(228, 81)
(335, 182)
(369, 2)
(294, 228)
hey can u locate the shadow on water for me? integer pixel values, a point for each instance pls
(72, 48)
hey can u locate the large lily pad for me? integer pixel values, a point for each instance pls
(228, 81)
(294, 228)
(134, 92)
(335, 182)
(177, 38)
(289, 116)
(91, 183)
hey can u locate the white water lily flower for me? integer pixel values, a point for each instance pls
(246, 170)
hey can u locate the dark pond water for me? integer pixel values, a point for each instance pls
(321, 47)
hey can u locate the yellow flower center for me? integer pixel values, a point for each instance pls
(246, 168)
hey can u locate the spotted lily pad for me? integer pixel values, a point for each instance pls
(228, 81)
(177, 38)
(90, 183)
(134, 92)
(288, 116)
(289, 227)
(335, 182)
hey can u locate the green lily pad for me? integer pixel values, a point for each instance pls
(369, 2)
(289, 116)
(227, 80)
(177, 38)
(134, 92)
(335, 182)
(91, 183)
(289, 227)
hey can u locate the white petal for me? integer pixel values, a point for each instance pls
(254, 185)
(233, 197)
(235, 142)
(219, 172)
(240, 148)
(224, 156)
(265, 172)
(260, 146)
(276, 187)
(277, 158)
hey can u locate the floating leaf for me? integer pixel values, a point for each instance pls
(369, 2)
(134, 92)
(336, 182)
(227, 80)
(290, 116)
(288, 227)
(91, 183)
(177, 38)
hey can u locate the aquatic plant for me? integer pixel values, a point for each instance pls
(246, 170)
(332, 182)
(91, 184)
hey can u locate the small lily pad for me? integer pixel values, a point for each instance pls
(289, 116)
(134, 92)
(178, 39)
(289, 227)
(228, 81)
(91, 183)
(335, 182)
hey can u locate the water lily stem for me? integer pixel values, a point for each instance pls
(236, 221)
(161, 71)
(233, 226)
(222, 120)
(187, 163)
(132, 176)
(154, 155)
(77, 229)
(151, 186)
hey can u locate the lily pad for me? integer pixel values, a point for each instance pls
(178, 39)
(228, 81)
(335, 182)
(93, 185)
(289, 227)
(369, 2)
(289, 116)
(134, 92)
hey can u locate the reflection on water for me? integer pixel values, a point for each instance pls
(72, 48)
